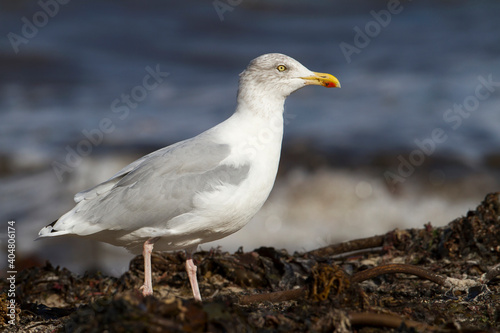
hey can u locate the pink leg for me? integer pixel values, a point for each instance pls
(191, 270)
(147, 288)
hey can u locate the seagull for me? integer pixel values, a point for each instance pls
(200, 189)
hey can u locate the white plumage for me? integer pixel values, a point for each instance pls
(201, 189)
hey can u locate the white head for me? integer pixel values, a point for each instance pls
(278, 75)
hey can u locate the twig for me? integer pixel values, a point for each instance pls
(357, 253)
(357, 244)
(491, 274)
(46, 322)
(398, 268)
(385, 320)
(462, 284)
(277, 296)
(287, 295)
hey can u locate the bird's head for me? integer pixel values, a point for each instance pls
(281, 75)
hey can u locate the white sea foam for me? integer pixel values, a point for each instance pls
(306, 210)
(310, 210)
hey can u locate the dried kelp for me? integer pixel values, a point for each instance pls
(416, 280)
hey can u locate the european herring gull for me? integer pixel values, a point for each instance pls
(200, 189)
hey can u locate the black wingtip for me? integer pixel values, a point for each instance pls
(48, 225)
(52, 224)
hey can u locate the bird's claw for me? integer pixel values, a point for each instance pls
(146, 290)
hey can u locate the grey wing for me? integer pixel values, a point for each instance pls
(156, 188)
(111, 182)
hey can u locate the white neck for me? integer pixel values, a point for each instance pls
(253, 100)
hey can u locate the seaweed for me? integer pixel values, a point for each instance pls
(431, 279)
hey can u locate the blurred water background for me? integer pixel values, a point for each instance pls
(412, 137)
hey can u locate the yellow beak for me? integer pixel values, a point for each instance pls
(322, 79)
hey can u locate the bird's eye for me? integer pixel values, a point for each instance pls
(281, 68)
